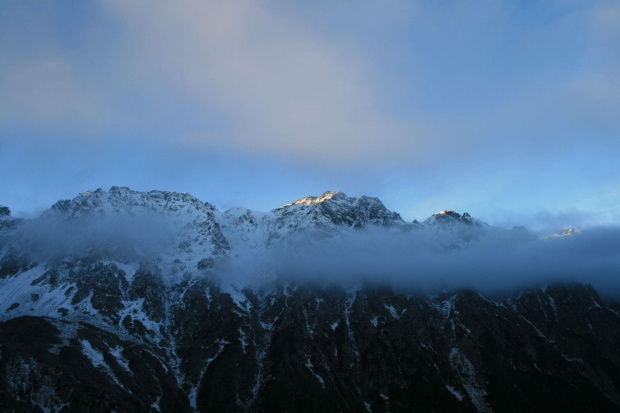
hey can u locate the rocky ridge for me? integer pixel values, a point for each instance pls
(159, 329)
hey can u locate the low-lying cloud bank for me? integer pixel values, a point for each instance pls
(412, 261)
(51, 236)
(418, 260)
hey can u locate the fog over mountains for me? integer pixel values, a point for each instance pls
(346, 238)
(157, 301)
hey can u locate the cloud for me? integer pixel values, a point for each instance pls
(400, 84)
(284, 87)
(547, 222)
(605, 18)
(497, 263)
(48, 93)
(129, 237)
(424, 261)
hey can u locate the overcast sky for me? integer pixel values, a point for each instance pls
(507, 110)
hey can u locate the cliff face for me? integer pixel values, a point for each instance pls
(126, 322)
(310, 348)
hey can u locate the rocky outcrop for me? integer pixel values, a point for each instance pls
(322, 348)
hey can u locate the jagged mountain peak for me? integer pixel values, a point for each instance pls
(452, 214)
(565, 232)
(182, 326)
(187, 229)
(326, 196)
(456, 231)
(569, 231)
(336, 208)
(337, 197)
(123, 199)
(449, 212)
(448, 216)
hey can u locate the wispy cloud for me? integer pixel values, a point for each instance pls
(49, 93)
(417, 260)
(494, 264)
(285, 88)
(446, 82)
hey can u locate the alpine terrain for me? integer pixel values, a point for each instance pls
(158, 302)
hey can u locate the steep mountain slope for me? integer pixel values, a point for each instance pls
(319, 217)
(335, 209)
(136, 306)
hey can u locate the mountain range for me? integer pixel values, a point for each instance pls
(128, 301)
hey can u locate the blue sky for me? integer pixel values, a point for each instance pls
(505, 109)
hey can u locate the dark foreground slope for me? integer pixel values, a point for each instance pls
(310, 348)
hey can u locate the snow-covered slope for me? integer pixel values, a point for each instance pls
(183, 235)
(335, 209)
(93, 257)
(189, 228)
(89, 256)
(122, 301)
(316, 217)
(451, 230)
(565, 232)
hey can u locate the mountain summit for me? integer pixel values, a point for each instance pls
(335, 209)
(153, 301)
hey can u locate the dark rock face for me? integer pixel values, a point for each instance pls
(14, 262)
(321, 348)
(87, 370)
(6, 221)
(326, 350)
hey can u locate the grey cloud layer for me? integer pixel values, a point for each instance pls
(492, 264)
(414, 260)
